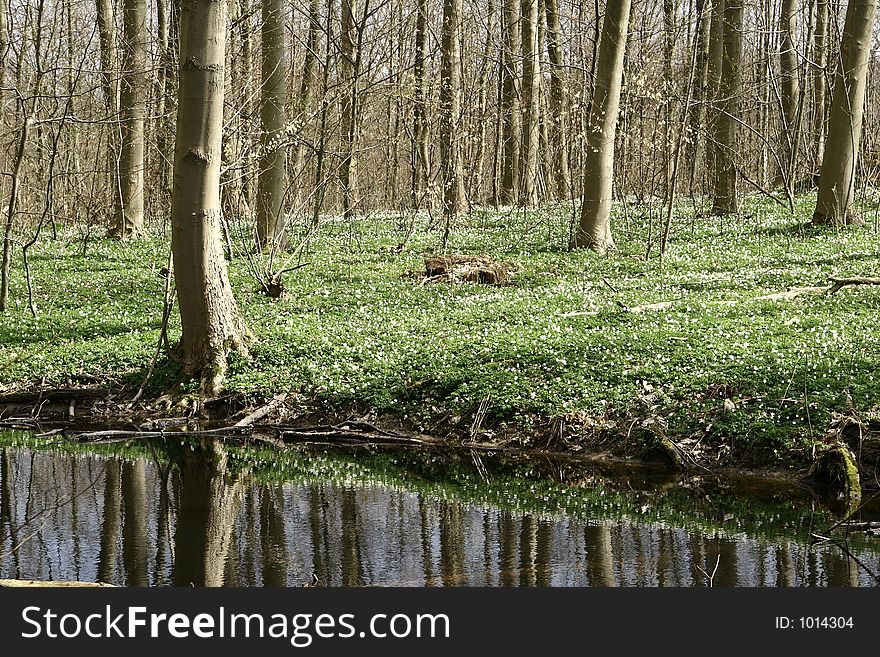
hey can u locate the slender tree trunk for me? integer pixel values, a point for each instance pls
(510, 105)
(348, 172)
(107, 40)
(476, 183)
(303, 103)
(701, 90)
(714, 66)
(209, 316)
(820, 61)
(420, 127)
(450, 112)
(837, 180)
(726, 127)
(788, 66)
(531, 69)
(558, 101)
(273, 160)
(163, 21)
(594, 231)
(133, 107)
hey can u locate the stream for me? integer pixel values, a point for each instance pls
(324, 516)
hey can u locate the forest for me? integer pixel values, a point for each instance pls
(646, 232)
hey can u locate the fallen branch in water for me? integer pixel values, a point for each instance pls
(346, 432)
(115, 435)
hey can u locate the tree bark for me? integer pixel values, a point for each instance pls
(725, 199)
(820, 61)
(701, 90)
(303, 103)
(421, 160)
(713, 82)
(348, 72)
(594, 231)
(450, 111)
(273, 160)
(788, 66)
(133, 108)
(531, 69)
(510, 105)
(558, 101)
(209, 316)
(837, 180)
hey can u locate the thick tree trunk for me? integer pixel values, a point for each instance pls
(531, 68)
(726, 127)
(510, 105)
(558, 101)
(788, 67)
(273, 161)
(209, 316)
(450, 112)
(594, 231)
(349, 74)
(133, 107)
(837, 180)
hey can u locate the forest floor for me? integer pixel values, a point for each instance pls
(629, 355)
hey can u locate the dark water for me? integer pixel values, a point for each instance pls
(133, 522)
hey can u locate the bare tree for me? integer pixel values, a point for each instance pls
(209, 315)
(531, 69)
(725, 200)
(594, 231)
(273, 156)
(837, 180)
(133, 106)
(510, 105)
(450, 112)
(788, 66)
(558, 101)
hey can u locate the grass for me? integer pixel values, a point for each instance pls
(350, 328)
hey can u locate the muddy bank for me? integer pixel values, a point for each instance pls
(843, 463)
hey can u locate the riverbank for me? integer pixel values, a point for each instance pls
(698, 362)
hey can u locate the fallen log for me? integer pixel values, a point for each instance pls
(837, 282)
(30, 583)
(262, 412)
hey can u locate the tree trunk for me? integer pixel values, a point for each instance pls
(133, 108)
(273, 161)
(309, 84)
(510, 107)
(107, 40)
(713, 83)
(726, 126)
(701, 90)
(820, 61)
(594, 231)
(558, 101)
(788, 66)
(163, 24)
(531, 69)
(348, 73)
(450, 111)
(837, 180)
(209, 316)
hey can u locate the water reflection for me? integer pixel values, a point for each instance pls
(135, 523)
